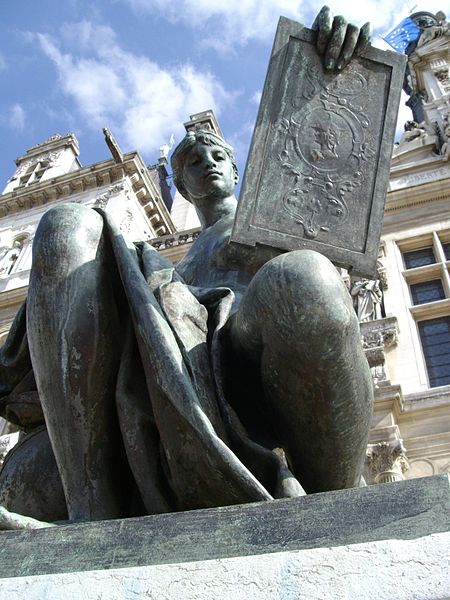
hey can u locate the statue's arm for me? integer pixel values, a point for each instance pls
(337, 40)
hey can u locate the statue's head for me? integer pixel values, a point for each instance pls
(203, 164)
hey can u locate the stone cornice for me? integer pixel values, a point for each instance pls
(424, 193)
(413, 406)
(422, 55)
(178, 238)
(94, 176)
(421, 400)
(389, 398)
(175, 246)
(408, 203)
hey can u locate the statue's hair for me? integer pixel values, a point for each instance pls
(185, 146)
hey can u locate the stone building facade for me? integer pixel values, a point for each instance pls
(410, 346)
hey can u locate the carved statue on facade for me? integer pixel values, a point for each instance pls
(237, 376)
(367, 298)
(445, 149)
(412, 131)
(434, 31)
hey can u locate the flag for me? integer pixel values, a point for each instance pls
(405, 32)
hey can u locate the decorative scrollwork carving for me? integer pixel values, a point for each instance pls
(323, 146)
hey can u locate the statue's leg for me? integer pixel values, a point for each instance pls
(297, 323)
(74, 338)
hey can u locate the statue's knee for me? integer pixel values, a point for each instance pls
(303, 272)
(306, 290)
(67, 234)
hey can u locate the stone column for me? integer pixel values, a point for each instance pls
(386, 462)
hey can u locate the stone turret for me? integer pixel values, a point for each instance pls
(56, 156)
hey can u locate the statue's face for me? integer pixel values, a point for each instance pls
(208, 172)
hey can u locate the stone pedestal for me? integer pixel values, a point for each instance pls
(385, 541)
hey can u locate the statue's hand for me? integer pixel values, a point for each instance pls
(337, 40)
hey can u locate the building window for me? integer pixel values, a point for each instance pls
(427, 275)
(34, 173)
(427, 291)
(419, 258)
(435, 338)
(446, 248)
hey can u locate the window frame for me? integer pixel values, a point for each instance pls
(429, 367)
(437, 270)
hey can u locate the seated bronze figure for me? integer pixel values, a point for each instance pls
(234, 377)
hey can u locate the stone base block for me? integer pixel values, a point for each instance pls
(385, 541)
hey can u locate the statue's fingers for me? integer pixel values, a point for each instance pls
(335, 44)
(348, 48)
(365, 34)
(323, 24)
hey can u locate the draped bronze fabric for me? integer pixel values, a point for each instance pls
(185, 445)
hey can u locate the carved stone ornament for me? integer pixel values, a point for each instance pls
(49, 157)
(442, 75)
(52, 138)
(377, 337)
(319, 160)
(102, 200)
(436, 29)
(387, 461)
(125, 225)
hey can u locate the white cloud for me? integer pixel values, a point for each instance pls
(256, 98)
(14, 117)
(134, 96)
(404, 114)
(235, 22)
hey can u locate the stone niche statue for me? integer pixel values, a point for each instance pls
(237, 376)
(367, 299)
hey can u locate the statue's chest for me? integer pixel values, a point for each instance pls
(200, 265)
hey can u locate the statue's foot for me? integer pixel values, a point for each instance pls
(10, 520)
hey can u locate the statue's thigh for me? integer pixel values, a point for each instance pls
(298, 322)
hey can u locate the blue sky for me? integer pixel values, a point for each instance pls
(141, 67)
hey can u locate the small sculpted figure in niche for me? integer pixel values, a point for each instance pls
(367, 298)
(237, 376)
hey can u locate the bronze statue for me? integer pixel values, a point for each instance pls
(234, 377)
